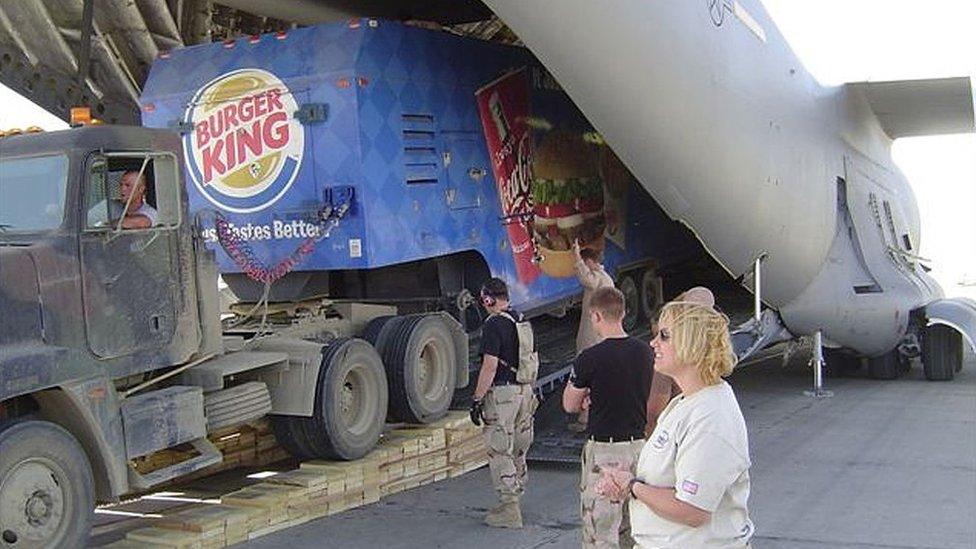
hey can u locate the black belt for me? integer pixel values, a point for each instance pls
(595, 438)
(504, 383)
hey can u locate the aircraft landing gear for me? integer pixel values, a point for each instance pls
(941, 352)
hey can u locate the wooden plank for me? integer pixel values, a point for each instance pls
(177, 539)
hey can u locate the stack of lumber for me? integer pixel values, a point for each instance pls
(404, 458)
(250, 445)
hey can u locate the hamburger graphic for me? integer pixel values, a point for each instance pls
(567, 197)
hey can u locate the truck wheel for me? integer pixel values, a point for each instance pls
(632, 308)
(45, 487)
(421, 362)
(350, 402)
(650, 293)
(288, 431)
(886, 366)
(374, 327)
(941, 352)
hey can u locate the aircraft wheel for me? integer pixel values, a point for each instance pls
(839, 363)
(886, 366)
(421, 368)
(46, 487)
(941, 352)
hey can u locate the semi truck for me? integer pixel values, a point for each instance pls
(354, 184)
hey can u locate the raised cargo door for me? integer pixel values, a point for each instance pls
(468, 171)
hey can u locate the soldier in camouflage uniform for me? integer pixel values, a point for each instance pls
(505, 405)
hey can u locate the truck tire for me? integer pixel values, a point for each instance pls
(650, 293)
(374, 327)
(46, 487)
(350, 402)
(941, 352)
(346, 426)
(421, 361)
(632, 309)
(886, 366)
(290, 435)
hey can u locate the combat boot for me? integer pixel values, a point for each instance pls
(508, 514)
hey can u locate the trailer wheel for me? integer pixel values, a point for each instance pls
(421, 362)
(350, 403)
(46, 487)
(886, 366)
(941, 352)
(632, 301)
(650, 293)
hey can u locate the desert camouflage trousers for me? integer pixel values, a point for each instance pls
(605, 524)
(508, 434)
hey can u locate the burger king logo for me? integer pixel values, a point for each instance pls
(246, 146)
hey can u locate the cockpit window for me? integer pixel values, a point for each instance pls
(32, 193)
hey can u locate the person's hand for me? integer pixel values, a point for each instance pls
(477, 412)
(614, 483)
(576, 246)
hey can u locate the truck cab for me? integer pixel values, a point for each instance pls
(112, 346)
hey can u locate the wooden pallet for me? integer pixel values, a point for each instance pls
(405, 458)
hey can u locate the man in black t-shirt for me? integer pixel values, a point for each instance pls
(505, 405)
(614, 378)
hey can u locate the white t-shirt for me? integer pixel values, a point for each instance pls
(149, 212)
(700, 448)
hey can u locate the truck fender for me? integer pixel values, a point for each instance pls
(958, 313)
(292, 383)
(89, 410)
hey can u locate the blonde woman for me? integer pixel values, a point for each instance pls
(692, 478)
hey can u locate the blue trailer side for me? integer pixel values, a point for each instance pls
(390, 121)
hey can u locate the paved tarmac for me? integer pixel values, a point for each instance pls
(878, 465)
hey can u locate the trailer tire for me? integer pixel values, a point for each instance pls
(650, 293)
(941, 352)
(46, 486)
(886, 366)
(632, 301)
(421, 361)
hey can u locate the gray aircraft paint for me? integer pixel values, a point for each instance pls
(707, 105)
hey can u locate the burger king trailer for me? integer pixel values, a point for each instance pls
(354, 184)
(451, 159)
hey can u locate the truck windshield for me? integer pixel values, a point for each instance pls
(32, 192)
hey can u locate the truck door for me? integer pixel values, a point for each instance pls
(130, 275)
(467, 168)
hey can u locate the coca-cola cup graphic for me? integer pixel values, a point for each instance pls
(504, 108)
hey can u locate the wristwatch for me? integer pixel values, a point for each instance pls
(630, 486)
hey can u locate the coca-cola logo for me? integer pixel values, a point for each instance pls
(246, 147)
(515, 189)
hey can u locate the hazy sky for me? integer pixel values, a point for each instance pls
(854, 40)
(843, 41)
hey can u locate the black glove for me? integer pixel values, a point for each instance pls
(477, 412)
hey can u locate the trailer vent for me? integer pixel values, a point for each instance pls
(420, 160)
